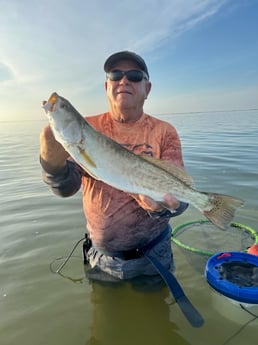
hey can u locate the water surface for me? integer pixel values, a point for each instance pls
(39, 307)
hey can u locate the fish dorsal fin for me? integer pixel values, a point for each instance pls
(172, 169)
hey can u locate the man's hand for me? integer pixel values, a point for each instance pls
(149, 204)
(53, 156)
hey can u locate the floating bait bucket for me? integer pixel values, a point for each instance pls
(234, 275)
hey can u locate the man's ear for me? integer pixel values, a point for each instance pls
(147, 89)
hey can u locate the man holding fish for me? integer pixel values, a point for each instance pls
(130, 168)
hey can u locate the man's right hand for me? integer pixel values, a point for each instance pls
(53, 155)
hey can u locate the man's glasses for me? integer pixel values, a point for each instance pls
(133, 75)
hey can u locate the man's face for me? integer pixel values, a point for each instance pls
(125, 94)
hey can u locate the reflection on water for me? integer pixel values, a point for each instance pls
(39, 307)
(123, 315)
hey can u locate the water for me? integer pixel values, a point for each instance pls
(39, 307)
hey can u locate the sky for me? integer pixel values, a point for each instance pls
(202, 55)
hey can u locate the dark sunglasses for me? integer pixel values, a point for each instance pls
(133, 75)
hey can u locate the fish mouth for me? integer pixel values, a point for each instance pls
(50, 105)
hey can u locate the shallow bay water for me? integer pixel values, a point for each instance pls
(39, 307)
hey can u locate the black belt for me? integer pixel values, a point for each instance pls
(139, 252)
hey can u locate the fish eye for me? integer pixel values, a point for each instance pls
(63, 105)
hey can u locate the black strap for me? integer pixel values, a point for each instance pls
(185, 305)
(156, 240)
(166, 213)
(192, 315)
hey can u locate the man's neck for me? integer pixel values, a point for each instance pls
(126, 115)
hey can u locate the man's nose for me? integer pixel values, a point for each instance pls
(124, 79)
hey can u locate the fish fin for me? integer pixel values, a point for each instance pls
(223, 209)
(87, 158)
(172, 169)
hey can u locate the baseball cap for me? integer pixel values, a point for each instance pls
(125, 55)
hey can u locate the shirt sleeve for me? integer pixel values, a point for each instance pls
(65, 182)
(171, 146)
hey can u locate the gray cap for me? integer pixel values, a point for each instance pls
(125, 55)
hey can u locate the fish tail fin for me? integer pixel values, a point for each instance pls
(223, 208)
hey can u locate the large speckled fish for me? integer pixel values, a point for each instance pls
(110, 162)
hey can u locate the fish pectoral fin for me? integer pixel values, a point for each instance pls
(84, 154)
(172, 169)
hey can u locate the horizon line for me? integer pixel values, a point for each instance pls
(157, 114)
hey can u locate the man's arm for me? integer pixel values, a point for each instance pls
(63, 176)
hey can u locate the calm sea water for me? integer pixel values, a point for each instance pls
(39, 307)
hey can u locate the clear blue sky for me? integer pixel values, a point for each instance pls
(202, 55)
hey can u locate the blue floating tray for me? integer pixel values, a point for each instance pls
(241, 294)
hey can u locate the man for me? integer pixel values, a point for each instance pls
(124, 229)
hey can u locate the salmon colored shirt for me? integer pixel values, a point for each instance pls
(115, 220)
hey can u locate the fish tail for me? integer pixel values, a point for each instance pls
(222, 209)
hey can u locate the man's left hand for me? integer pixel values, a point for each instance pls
(169, 201)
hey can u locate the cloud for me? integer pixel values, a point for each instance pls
(61, 45)
(64, 41)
